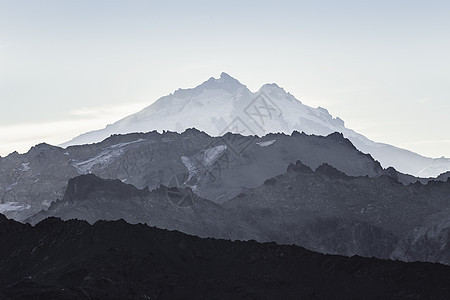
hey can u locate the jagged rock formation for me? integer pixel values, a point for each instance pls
(331, 212)
(443, 176)
(216, 168)
(323, 210)
(32, 181)
(90, 198)
(115, 260)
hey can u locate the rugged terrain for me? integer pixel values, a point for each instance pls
(90, 198)
(116, 260)
(328, 211)
(322, 210)
(216, 168)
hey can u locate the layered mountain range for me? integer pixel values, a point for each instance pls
(215, 168)
(225, 105)
(253, 174)
(237, 187)
(323, 210)
(218, 167)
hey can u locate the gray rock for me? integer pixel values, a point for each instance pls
(32, 181)
(322, 210)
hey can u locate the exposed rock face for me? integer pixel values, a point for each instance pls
(217, 168)
(115, 260)
(91, 198)
(34, 180)
(331, 212)
(444, 176)
(429, 242)
(323, 210)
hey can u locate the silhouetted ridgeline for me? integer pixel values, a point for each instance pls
(116, 260)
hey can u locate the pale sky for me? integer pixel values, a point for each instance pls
(67, 67)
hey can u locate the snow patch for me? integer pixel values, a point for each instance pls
(266, 143)
(104, 158)
(13, 206)
(9, 188)
(212, 154)
(199, 163)
(46, 203)
(25, 167)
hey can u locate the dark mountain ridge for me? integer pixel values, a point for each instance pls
(115, 260)
(323, 210)
(91, 198)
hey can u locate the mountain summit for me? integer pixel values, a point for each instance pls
(225, 105)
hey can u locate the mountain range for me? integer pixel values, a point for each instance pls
(252, 176)
(225, 105)
(215, 168)
(322, 210)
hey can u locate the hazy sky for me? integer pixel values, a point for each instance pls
(67, 67)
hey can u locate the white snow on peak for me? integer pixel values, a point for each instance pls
(225, 83)
(223, 104)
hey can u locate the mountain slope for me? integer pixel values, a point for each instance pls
(225, 105)
(215, 168)
(326, 209)
(116, 260)
(90, 198)
(322, 210)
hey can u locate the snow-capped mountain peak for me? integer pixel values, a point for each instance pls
(223, 104)
(272, 88)
(276, 92)
(225, 83)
